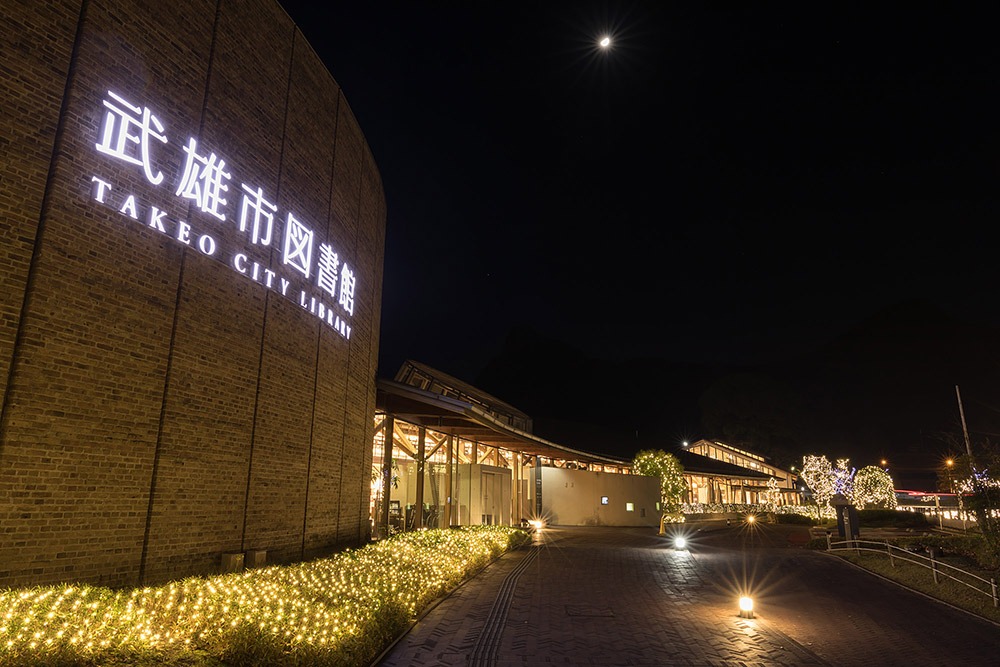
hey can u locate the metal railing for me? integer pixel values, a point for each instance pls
(987, 587)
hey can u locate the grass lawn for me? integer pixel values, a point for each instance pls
(921, 579)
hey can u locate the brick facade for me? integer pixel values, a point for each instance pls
(159, 408)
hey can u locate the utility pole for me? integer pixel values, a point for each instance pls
(965, 430)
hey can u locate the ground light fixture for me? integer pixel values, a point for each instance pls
(746, 607)
(751, 518)
(680, 542)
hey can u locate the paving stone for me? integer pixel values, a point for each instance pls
(622, 597)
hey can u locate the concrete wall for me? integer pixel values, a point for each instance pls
(164, 401)
(573, 498)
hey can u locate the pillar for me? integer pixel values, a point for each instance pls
(418, 509)
(449, 494)
(389, 425)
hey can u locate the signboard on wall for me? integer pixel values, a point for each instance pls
(306, 269)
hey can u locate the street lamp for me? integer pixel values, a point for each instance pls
(949, 465)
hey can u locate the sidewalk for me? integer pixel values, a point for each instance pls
(621, 596)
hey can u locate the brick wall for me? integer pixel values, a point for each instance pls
(160, 408)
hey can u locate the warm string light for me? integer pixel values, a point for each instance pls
(818, 474)
(756, 508)
(873, 487)
(320, 604)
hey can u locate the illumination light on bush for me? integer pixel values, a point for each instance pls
(320, 607)
(874, 487)
(746, 607)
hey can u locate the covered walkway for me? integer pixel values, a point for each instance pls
(462, 456)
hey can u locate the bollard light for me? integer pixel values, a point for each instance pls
(680, 543)
(746, 607)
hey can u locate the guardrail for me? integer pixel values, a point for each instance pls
(987, 587)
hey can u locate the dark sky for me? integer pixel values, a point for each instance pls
(729, 182)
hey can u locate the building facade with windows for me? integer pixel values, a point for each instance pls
(718, 472)
(191, 244)
(462, 457)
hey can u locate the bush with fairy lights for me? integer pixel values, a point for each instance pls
(666, 467)
(341, 610)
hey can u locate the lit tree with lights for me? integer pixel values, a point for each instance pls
(984, 502)
(818, 474)
(873, 487)
(771, 497)
(658, 463)
(843, 479)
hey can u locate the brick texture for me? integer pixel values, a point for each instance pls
(159, 408)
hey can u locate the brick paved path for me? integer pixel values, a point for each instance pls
(619, 596)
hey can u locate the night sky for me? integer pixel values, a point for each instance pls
(727, 183)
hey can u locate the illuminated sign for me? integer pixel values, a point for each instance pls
(311, 273)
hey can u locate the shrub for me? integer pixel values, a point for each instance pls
(975, 548)
(796, 519)
(340, 610)
(893, 518)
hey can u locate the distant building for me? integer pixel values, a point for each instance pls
(463, 457)
(718, 472)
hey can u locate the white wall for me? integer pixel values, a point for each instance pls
(573, 498)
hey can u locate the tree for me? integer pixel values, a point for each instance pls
(843, 479)
(379, 489)
(771, 497)
(818, 475)
(666, 467)
(977, 483)
(873, 487)
(984, 502)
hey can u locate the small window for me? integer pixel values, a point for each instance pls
(629, 507)
(604, 500)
